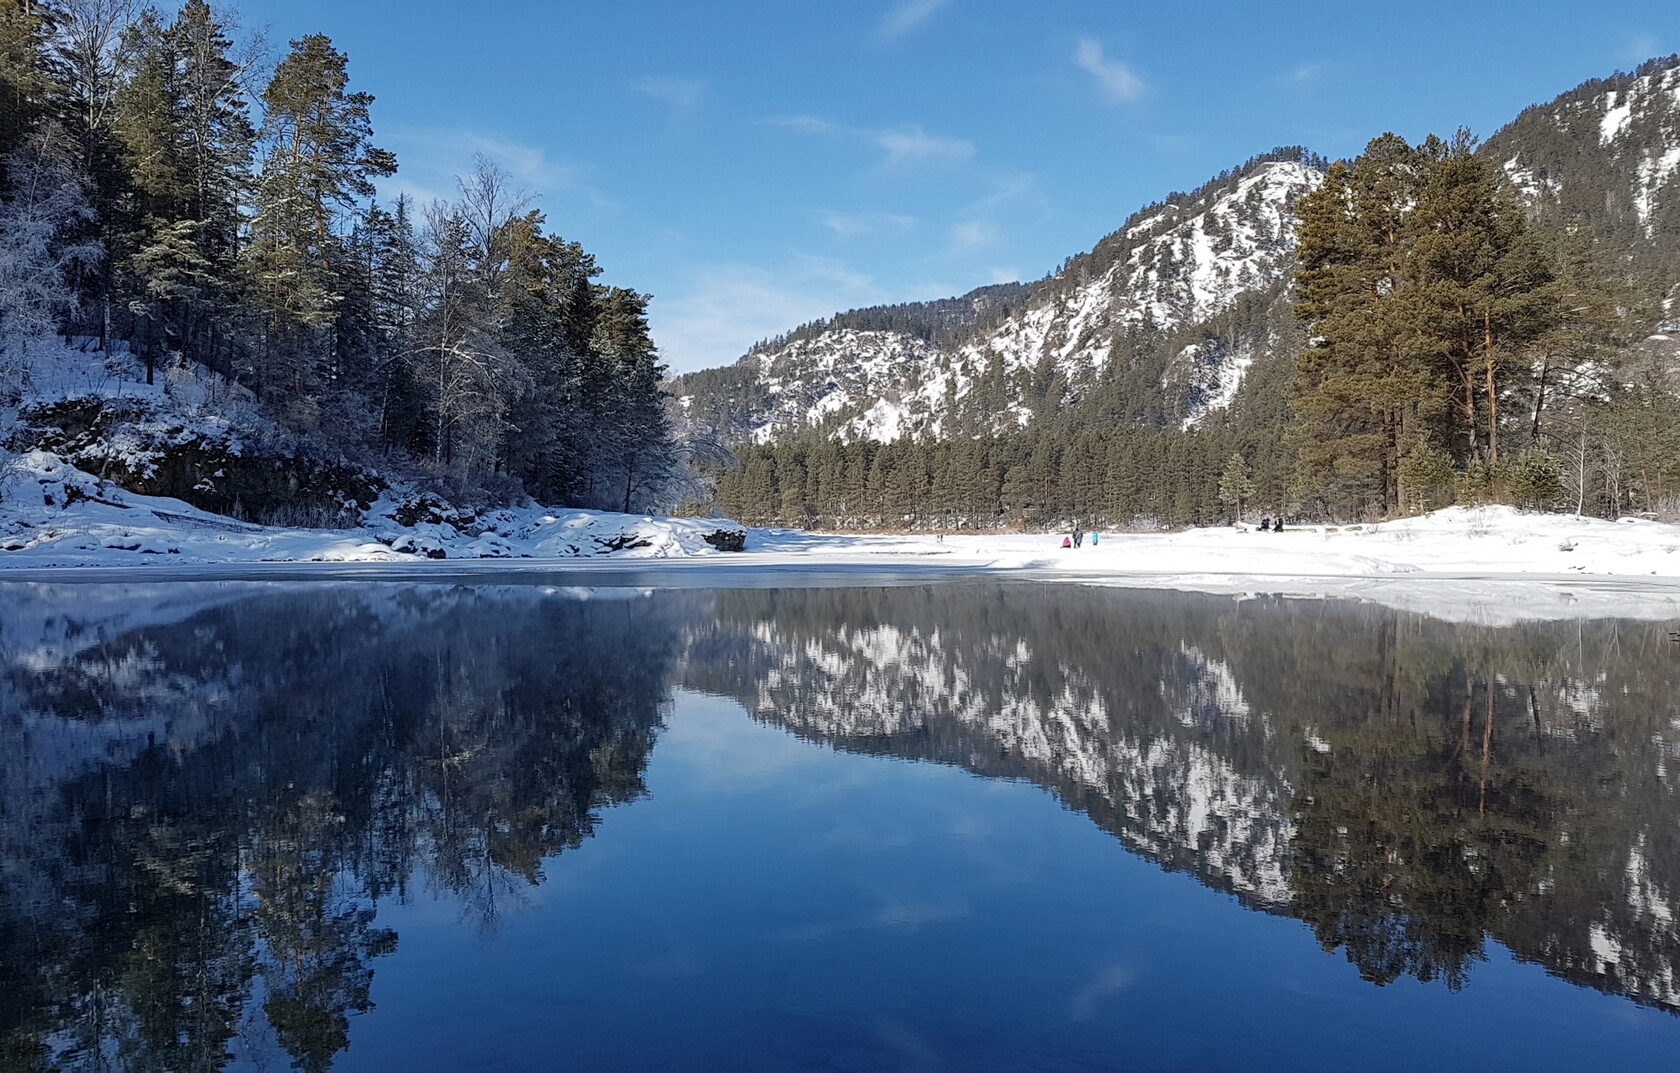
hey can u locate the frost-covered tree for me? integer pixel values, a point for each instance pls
(46, 201)
(469, 376)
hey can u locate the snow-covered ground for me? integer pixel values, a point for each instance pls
(1482, 540)
(1494, 564)
(54, 515)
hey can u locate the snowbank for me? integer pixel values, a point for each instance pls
(1490, 565)
(1480, 540)
(53, 514)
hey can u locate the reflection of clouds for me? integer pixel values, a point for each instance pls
(912, 1051)
(913, 916)
(856, 836)
(679, 962)
(720, 748)
(1109, 981)
(906, 914)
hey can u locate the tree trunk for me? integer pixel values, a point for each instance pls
(1539, 400)
(1492, 389)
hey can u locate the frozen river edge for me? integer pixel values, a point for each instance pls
(1491, 599)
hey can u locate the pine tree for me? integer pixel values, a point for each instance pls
(1236, 487)
(636, 460)
(25, 79)
(319, 161)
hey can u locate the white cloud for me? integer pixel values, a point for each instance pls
(973, 235)
(1010, 190)
(808, 124)
(723, 309)
(866, 224)
(1116, 79)
(908, 15)
(1303, 73)
(680, 93)
(902, 147)
(912, 146)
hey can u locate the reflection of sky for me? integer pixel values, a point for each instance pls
(774, 904)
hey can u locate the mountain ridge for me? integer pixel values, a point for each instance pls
(1176, 306)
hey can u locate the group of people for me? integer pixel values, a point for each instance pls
(1077, 537)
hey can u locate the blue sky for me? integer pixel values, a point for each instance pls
(761, 163)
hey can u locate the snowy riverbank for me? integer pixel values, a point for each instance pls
(1474, 540)
(1492, 564)
(54, 515)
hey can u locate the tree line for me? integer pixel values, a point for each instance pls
(1441, 344)
(170, 191)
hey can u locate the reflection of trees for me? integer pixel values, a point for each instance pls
(1411, 841)
(276, 767)
(318, 941)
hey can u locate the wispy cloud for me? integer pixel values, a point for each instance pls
(912, 145)
(1118, 82)
(681, 93)
(433, 156)
(1015, 197)
(807, 124)
(902, 147)
(1640, 47)
(970, 235)
(907, 16)
(850, 225)
(1305, 73)
(722, 309)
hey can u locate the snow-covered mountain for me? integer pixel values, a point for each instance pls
(1175, 308)
(1165, 275)
(1606, 156)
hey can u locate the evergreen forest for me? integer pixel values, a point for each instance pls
(187, 194)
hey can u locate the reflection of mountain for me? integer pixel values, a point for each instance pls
(1006, 683)
(1404, 785)
(206, 790)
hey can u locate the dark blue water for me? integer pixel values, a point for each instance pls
(965, 826)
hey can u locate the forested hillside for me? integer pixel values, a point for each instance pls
(192, 208)
(1464, 323)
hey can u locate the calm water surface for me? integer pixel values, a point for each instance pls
(960, 826)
